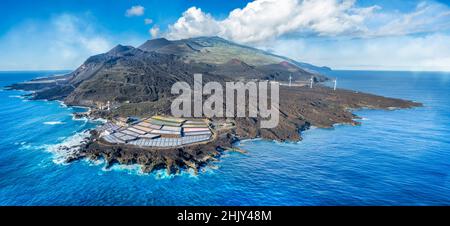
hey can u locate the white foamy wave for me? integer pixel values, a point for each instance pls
(20, 143)
(209, 169)
(26, 146)
(97, 162)
(160, 174)
(17, 96)
(62, 104)
(133, 169)
(243, 141)
(69, 147)
(86, 119)
(100, 120)
(53, 123)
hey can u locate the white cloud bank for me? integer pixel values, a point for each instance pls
(137, 10)
(336, 33)
(424, 53)
(265, 20)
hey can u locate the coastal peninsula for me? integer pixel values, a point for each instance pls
(130, 88)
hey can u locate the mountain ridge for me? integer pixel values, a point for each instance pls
(198, 44)
(146, 73)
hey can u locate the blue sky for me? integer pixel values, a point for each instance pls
(109, 14)
(342, 34)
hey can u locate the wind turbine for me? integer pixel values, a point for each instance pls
(335, 83)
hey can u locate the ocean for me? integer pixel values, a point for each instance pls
(399, 157)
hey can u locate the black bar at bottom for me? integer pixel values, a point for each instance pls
(217, 215)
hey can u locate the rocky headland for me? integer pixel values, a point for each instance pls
(128, 81)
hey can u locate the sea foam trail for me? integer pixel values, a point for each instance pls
(17, 96)
(53, 123)
(68, 147)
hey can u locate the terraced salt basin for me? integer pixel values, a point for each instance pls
(157, 131)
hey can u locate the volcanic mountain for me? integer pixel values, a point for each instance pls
(216, 50)
(145, 74)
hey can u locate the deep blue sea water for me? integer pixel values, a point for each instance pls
(394, 158)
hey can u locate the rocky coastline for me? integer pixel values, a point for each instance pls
(173, 160)
(128, 81)
(325, 108)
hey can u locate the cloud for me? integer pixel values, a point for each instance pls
(415, 53)
(194, 23)
(336, 33)
(74, 31)
(154, 31)
(62, 42)
(426, 17)
(265, 20)
(148, 21)
(135, 11)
